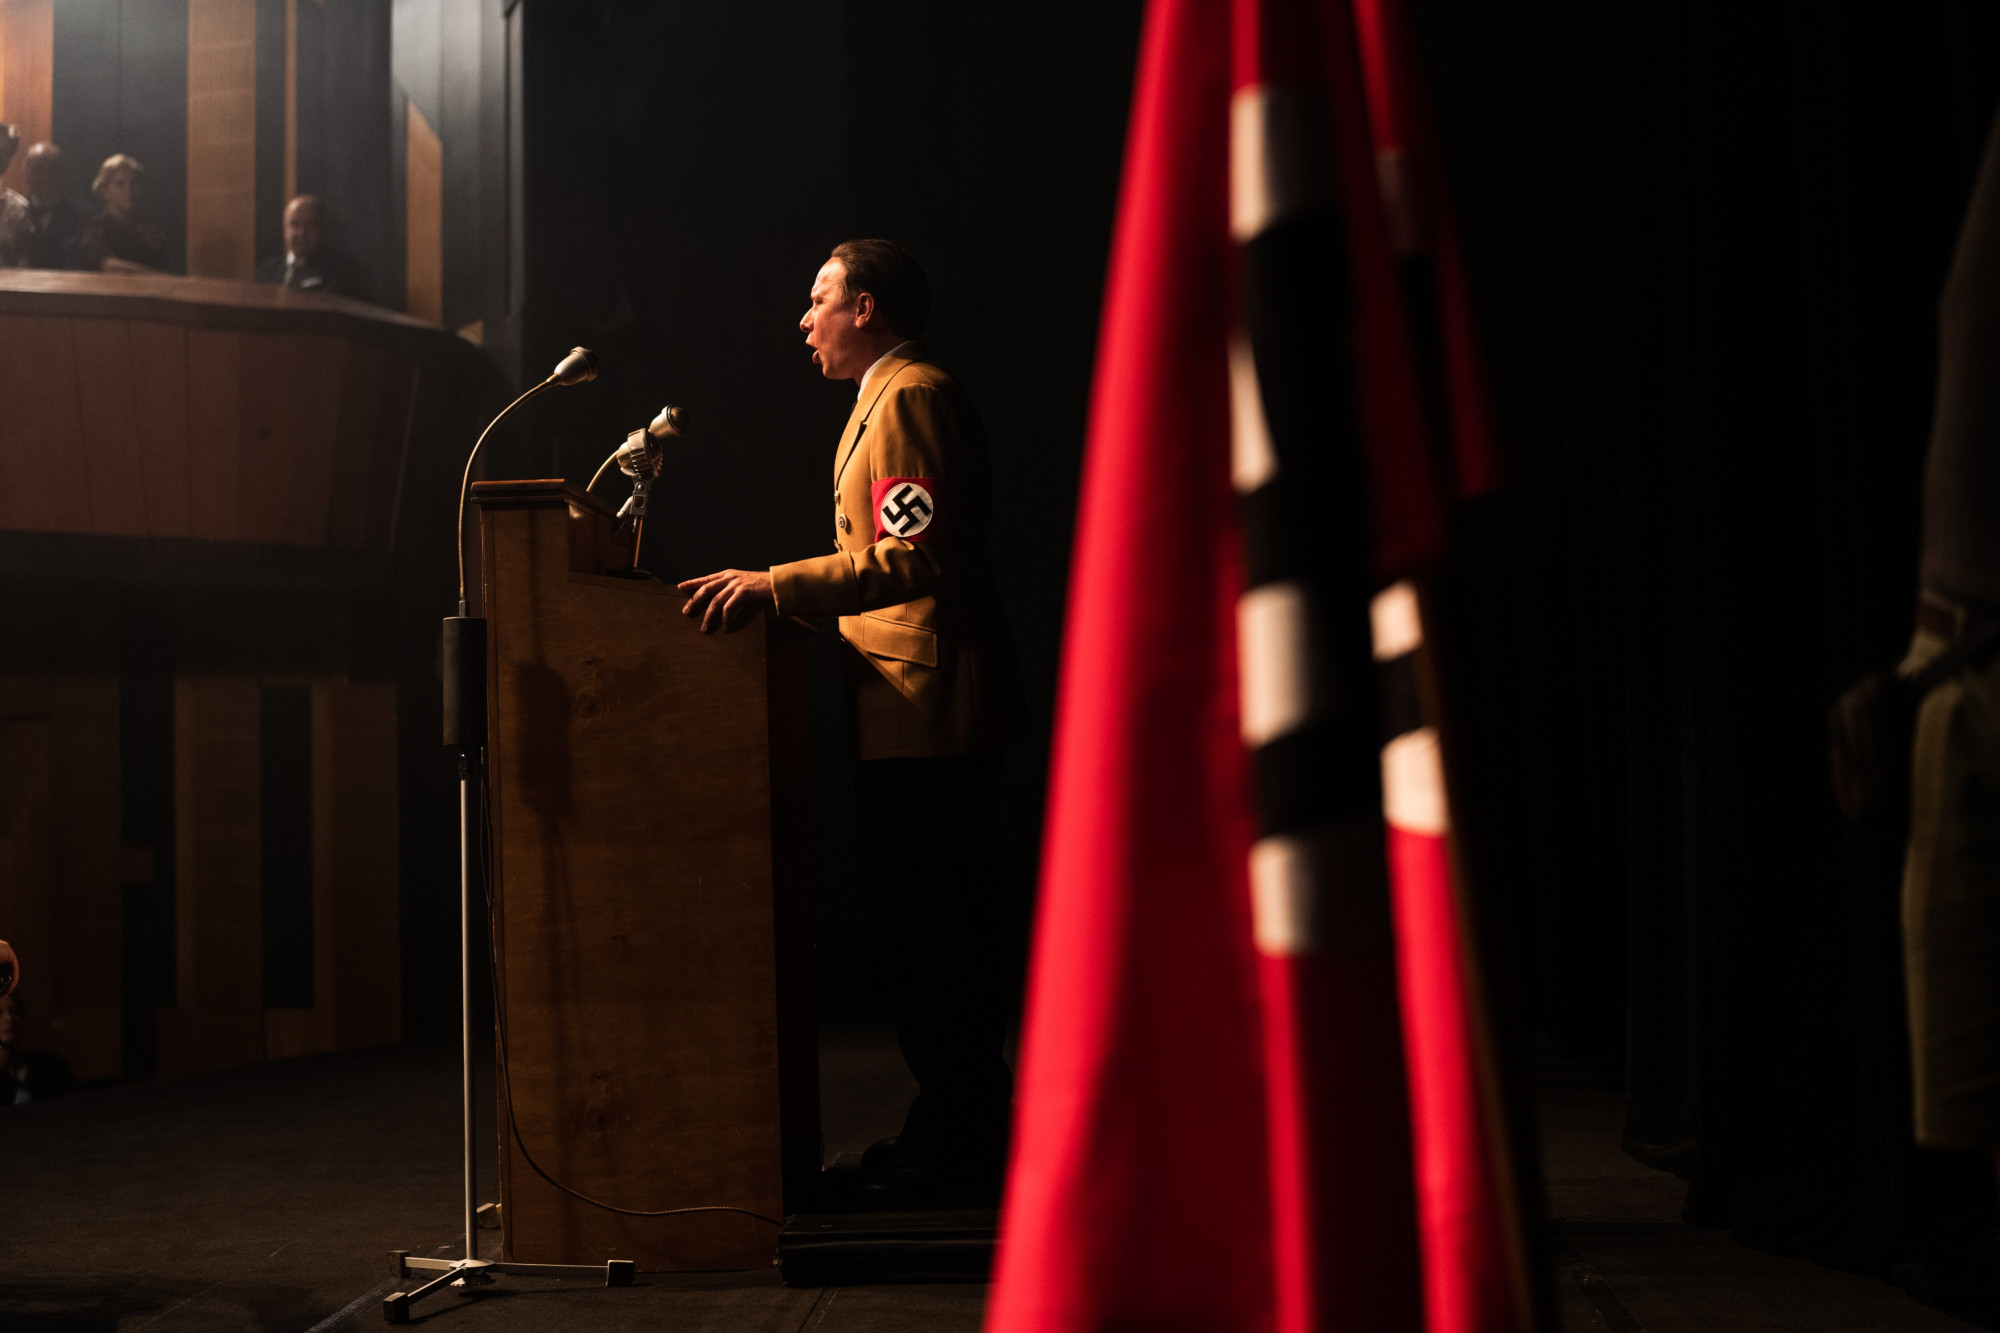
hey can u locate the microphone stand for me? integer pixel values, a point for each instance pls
(464, 672)
(640, 459)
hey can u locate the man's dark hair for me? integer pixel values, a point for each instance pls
(890, 274)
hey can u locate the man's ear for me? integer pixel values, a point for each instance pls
(864, 309)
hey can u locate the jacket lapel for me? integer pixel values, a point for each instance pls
(856, 420)
(864, 406)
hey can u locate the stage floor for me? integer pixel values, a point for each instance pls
(1626, 1263)
(268, 1199)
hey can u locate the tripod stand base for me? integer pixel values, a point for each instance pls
(466, 1274)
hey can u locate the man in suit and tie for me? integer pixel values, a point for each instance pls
(933, 695)
(307, 264)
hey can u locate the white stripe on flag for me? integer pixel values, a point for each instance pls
(1275, 655)
(1321, 890)
(1413, 783)
(1252, 459)
(1398, 627)
(1284, 896)
(1273, 174)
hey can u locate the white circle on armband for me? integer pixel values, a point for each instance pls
(906, 510)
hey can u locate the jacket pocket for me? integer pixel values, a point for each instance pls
(896, 639)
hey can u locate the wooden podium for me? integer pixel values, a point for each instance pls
(652, 946)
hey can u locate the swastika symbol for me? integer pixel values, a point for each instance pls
(906, 511)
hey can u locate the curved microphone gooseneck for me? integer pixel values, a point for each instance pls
(580, 365)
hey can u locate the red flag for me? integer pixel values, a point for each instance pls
(1427, 438)
(1326, 407)
(1136, 1195)
(1475, 1277)
(1410, 176)
(1212, 1129)
(1475, 1280)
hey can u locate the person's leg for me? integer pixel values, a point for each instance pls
(935, 941)
(1951, 942)
(1951, 913)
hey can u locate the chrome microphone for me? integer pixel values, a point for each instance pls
(578, 366)
(641, 458)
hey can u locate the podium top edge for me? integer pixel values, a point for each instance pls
(537, 493)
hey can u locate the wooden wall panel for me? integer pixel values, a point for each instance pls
(43, 485)
(423, 252)
(27, 845)
(222, 138)
(27, 75)
(208, 408)
(357, 861)
(84, 1018)
(289, 426)
(371, 412)
(106, 413)
(59, 861)
(291, 100)
(214, 431)
(219, 1018)
(357, 915)
(159, 377)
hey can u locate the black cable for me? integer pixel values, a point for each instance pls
(500, 1025)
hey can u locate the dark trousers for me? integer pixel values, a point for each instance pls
(934, 943)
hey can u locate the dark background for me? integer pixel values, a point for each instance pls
(1706, 241)
(687, 169)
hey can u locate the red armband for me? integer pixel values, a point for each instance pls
(905, 507)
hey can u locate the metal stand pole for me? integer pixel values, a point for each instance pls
(464, 663)
(466, 819)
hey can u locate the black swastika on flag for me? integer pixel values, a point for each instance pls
(906, 510)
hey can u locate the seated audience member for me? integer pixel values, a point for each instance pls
(308, 265)
(54, 225)
(26, 1076)
(115, 239)
(10, 969)
(13, 207)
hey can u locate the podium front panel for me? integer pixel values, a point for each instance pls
(654, 1022)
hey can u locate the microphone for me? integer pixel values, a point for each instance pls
(640, 457)
(578, 366)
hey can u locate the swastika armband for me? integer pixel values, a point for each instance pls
(905, 507)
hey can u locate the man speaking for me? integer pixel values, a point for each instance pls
(932, 693)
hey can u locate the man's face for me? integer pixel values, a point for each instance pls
(44, 173)
(302, 227)
(835, 327)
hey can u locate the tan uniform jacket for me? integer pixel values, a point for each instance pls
(931, 669)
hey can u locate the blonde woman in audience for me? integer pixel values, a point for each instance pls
(115, 238)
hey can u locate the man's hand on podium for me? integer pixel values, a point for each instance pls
(729, 599)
